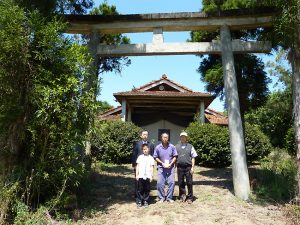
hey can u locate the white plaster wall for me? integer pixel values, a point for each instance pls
(163, 124)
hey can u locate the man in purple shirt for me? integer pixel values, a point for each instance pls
(165, 154)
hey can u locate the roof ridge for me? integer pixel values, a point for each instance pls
(107, 111)
(183, 87)
(217, 112)
(163, 77)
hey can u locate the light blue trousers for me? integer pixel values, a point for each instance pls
(165, 176)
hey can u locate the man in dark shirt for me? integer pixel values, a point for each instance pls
(137, 151)
(185, 167)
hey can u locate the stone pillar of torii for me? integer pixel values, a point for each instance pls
(226, 47)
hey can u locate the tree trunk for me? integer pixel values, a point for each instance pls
(295, 62)
(296, 110)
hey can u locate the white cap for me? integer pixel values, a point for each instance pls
(183, 134)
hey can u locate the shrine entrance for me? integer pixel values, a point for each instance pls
(224, 22)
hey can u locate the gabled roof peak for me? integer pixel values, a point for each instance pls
(164, 76)
(164, 79)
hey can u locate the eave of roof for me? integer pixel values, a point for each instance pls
(211, 115)
(163, 94)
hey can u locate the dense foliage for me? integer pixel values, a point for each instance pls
(103, 106)
(47, 7)
(274, 118)
(276, 179)
(113, 141)
(251, 78)
(257, 144)
(110, 63)
(44, 110)
(212, 144)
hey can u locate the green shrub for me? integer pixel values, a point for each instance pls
(256, 143)
(277, 176)
(212, 144)
(8, 195)
(289, 142)
(26, 217)
(113, 141)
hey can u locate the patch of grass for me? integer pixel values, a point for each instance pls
(111, 168)
(292, 212)
(168, 220)
(275, 179)
(207, 198)
(107, 184)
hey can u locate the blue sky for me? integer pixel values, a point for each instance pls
(143, 69)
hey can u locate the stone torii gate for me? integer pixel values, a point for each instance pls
(96, 25)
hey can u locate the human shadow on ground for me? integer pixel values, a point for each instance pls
(216, 177)
(106, 187)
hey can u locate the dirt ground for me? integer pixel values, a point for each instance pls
(110, 201)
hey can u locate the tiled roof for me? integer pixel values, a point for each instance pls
(163, 77)
(216, 117)
(109, 117)
(111, 111)
(163, 93)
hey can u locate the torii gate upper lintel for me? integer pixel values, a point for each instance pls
(226, 47)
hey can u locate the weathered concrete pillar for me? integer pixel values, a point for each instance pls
(94, 41)
(123, 114)
(158, 36)
(237, 145)
(202, 113)
(129, 114)
(92, 81)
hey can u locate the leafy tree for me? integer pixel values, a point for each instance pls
(103, 106)
(275, 117)
(251, 78)
(110, 63)
(47, 7)
(44, 115)
(286, 33)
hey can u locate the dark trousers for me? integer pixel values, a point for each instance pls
(185, 173)
(143, 190)
(135, 183)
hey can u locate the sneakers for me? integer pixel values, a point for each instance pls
(146, 205)
(189, 201)
(183, 198)
(139, 204)
(168, 200)
(161, 201)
